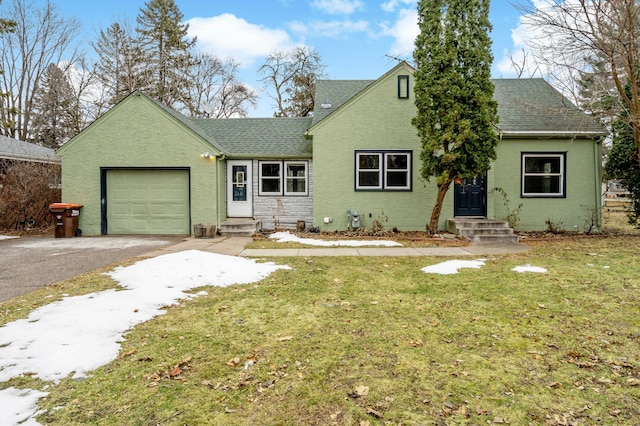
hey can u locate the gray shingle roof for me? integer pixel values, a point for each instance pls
(258, 137)
(18, 150)
(334, 93)
(525, 106)
(534, 106)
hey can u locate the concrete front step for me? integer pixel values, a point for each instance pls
(482, 229)
(235, 227)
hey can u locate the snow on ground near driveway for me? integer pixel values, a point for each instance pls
(6, 237)
(287, 237)
(81, 333)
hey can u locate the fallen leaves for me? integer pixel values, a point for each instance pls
(172, 373)
(128, 353)
(414, 343)
(358, 391)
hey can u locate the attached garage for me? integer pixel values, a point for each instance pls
(146, 201)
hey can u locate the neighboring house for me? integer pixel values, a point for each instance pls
(16, 150)
(143, 168)
(13, 150)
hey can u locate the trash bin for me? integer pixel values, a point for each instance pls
(66, 215)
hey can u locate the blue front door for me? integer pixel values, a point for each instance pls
(470, 197)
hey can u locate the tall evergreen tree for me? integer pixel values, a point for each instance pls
(164, 41)
(622, 161)
(55, 109)
(42, 37)
(121, 67)
(454, 93)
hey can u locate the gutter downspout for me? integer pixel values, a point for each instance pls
(220, 204)
(597, 155)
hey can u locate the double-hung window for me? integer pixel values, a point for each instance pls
(543, 174)
(383, 170)
(295, 178)
(283, 178)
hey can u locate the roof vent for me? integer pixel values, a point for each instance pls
(325, 104)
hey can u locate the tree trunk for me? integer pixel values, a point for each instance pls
(432, 227)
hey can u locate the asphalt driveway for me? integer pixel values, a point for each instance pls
(28, 263)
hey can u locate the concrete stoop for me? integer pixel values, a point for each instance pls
(240, 227)
(482, 230)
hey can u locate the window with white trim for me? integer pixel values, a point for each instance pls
(270, 178)
(295, 178)
(543, 174)
(383, 170)
(283, 178)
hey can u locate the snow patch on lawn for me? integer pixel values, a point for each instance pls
(287, 237)
(18, 405)
(453, 266)
(81, 333)
(529, 268)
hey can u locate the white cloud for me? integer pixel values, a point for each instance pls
(337, 7)
(404, 31)
(392, 5)
(227, 36)
(520, 54)
(543, 52)
(333, 29)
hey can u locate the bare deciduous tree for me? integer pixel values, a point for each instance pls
(41, 37)
(579, 33)
(215, 92)
(292, 74)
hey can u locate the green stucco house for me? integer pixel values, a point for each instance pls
(143, 168)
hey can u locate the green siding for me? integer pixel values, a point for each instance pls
(148, 202)
(356, 125)
(137, 133)
(376, 119)
(582, 184)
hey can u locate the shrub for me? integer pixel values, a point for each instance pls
(26, 191)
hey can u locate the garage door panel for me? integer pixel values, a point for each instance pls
(148, 202)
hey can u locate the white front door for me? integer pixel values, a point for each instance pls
(239, 190)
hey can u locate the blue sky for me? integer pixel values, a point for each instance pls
(353, 37)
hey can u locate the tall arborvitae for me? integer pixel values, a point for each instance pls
(454, 93)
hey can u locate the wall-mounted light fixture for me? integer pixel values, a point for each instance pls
(207, 155)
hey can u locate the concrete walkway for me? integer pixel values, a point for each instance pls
(236, 246)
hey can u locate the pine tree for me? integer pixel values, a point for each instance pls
(121, 67)
(164, 41)
(55, 110)
(623, 163)
(454, 93)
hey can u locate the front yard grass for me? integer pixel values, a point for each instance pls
(362, 341)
